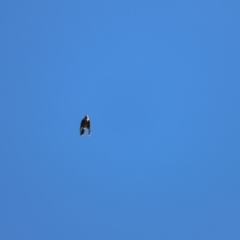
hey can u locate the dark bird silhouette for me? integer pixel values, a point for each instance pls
(85, 123)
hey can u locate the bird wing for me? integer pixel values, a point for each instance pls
(89, 126)
(81, 125)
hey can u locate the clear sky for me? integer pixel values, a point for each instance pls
(160, 81)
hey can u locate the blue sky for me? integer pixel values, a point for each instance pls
(160, 82)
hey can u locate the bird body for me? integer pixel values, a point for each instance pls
(85, 123)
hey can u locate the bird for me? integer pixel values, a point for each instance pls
(85, 123)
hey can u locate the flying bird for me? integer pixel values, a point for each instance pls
(85, 123)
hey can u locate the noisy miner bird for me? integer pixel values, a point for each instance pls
(85, 123)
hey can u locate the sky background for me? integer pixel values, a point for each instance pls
(160, 81)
